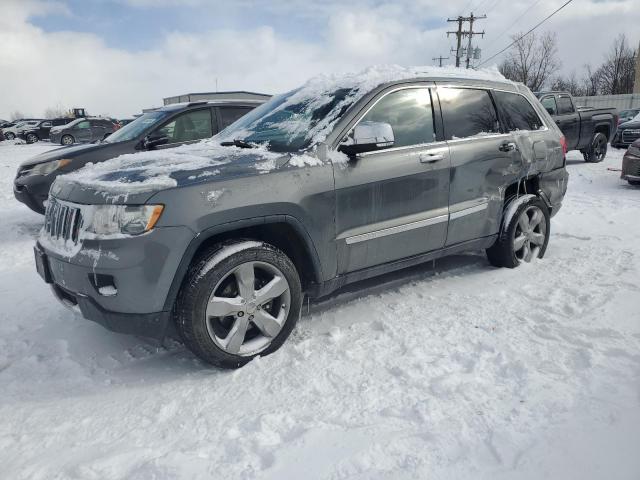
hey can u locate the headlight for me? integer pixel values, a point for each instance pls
(107, 220)
(633, 150)
(48, 167)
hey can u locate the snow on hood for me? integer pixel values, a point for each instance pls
(155, 170)
(148, 171)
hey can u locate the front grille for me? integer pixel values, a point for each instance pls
(629, 136)
(62, 221)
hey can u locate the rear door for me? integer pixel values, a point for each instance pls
(392, 203)
(483, 160)
(568, 121)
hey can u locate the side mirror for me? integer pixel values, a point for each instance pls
(367, 137)
(153, 141)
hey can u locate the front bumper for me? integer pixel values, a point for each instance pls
(121, 284)
(630, 168)
(55, 137)
(32, 190)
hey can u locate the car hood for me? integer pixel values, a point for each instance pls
(67, 152)
(630, 124)
(136, 177)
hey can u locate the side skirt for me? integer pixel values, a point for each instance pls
(330, 286)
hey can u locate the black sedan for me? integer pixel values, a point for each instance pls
(166, 127)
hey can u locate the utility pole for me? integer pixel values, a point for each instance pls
(470, 34)
(460, 34)
(440, 58)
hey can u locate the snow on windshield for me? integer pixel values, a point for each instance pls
(317, 109)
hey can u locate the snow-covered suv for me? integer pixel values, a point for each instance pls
(342, 179)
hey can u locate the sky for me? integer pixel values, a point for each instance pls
(115, 57)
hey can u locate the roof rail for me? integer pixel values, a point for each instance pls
(193, 104)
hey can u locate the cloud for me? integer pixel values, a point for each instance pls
(42, 69)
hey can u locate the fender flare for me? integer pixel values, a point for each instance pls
(210, 232)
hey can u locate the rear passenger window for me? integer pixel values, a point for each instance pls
(228, 115)
(564, 104)
(549, 104)
(467, 113)
(516, 112)
(409, 113)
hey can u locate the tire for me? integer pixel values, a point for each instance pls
(506, 252)
(635, 183)
(67, 140)
(597, 150)
(10, 136)
(207, 327)
(32, 138)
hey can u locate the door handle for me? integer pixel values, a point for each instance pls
(431, 157)
(507, 147)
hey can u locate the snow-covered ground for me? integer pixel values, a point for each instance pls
(464, 371)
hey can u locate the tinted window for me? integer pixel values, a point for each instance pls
(516, 112)
(45, 124)
(187, 127)
(564, 104)
(467, 112)
(549, 104)
(228, 115)
(84, 124)
(409, 113)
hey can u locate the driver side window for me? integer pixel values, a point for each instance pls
(410, 114)
(187, 127)
(83, 125)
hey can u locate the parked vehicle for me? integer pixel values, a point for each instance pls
(328, 184)
(82, 130)
(627, 133)
(10, 133)
(631, 164)
(586, 129)
(164, 128)
(41, 130)
(626, 115)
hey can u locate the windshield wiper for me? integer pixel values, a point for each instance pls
(238, 143)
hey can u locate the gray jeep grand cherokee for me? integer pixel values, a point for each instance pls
(340, 180)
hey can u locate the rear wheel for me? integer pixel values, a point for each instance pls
(32, 138)
(524, 238)
(67, 140)
(597, 151)
(10, 135)
(241, 300)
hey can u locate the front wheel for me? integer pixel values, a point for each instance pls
(67, 140)
(240, 300)
(10, 136)
(597, 150)
(32, 138)
(525, 233)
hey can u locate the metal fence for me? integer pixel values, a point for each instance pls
(621, 102)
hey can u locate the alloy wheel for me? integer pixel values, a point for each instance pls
(248, 308)
(530, 234)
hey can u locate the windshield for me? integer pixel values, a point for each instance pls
(636, 118)
(133, 130)
(293, 121)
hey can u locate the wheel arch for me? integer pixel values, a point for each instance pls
(284, 232)
(603, 128)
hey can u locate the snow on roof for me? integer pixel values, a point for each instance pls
(147, 171)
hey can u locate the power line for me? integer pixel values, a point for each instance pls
(513, 23)
(527, 33)
(460, 34)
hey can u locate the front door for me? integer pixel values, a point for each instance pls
(82, 132)
(392, 203)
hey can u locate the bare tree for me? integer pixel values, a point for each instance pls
(532, 60)
(55, 112)
(569, 84)
(16, 115)
(617, 73)
(591, 81)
